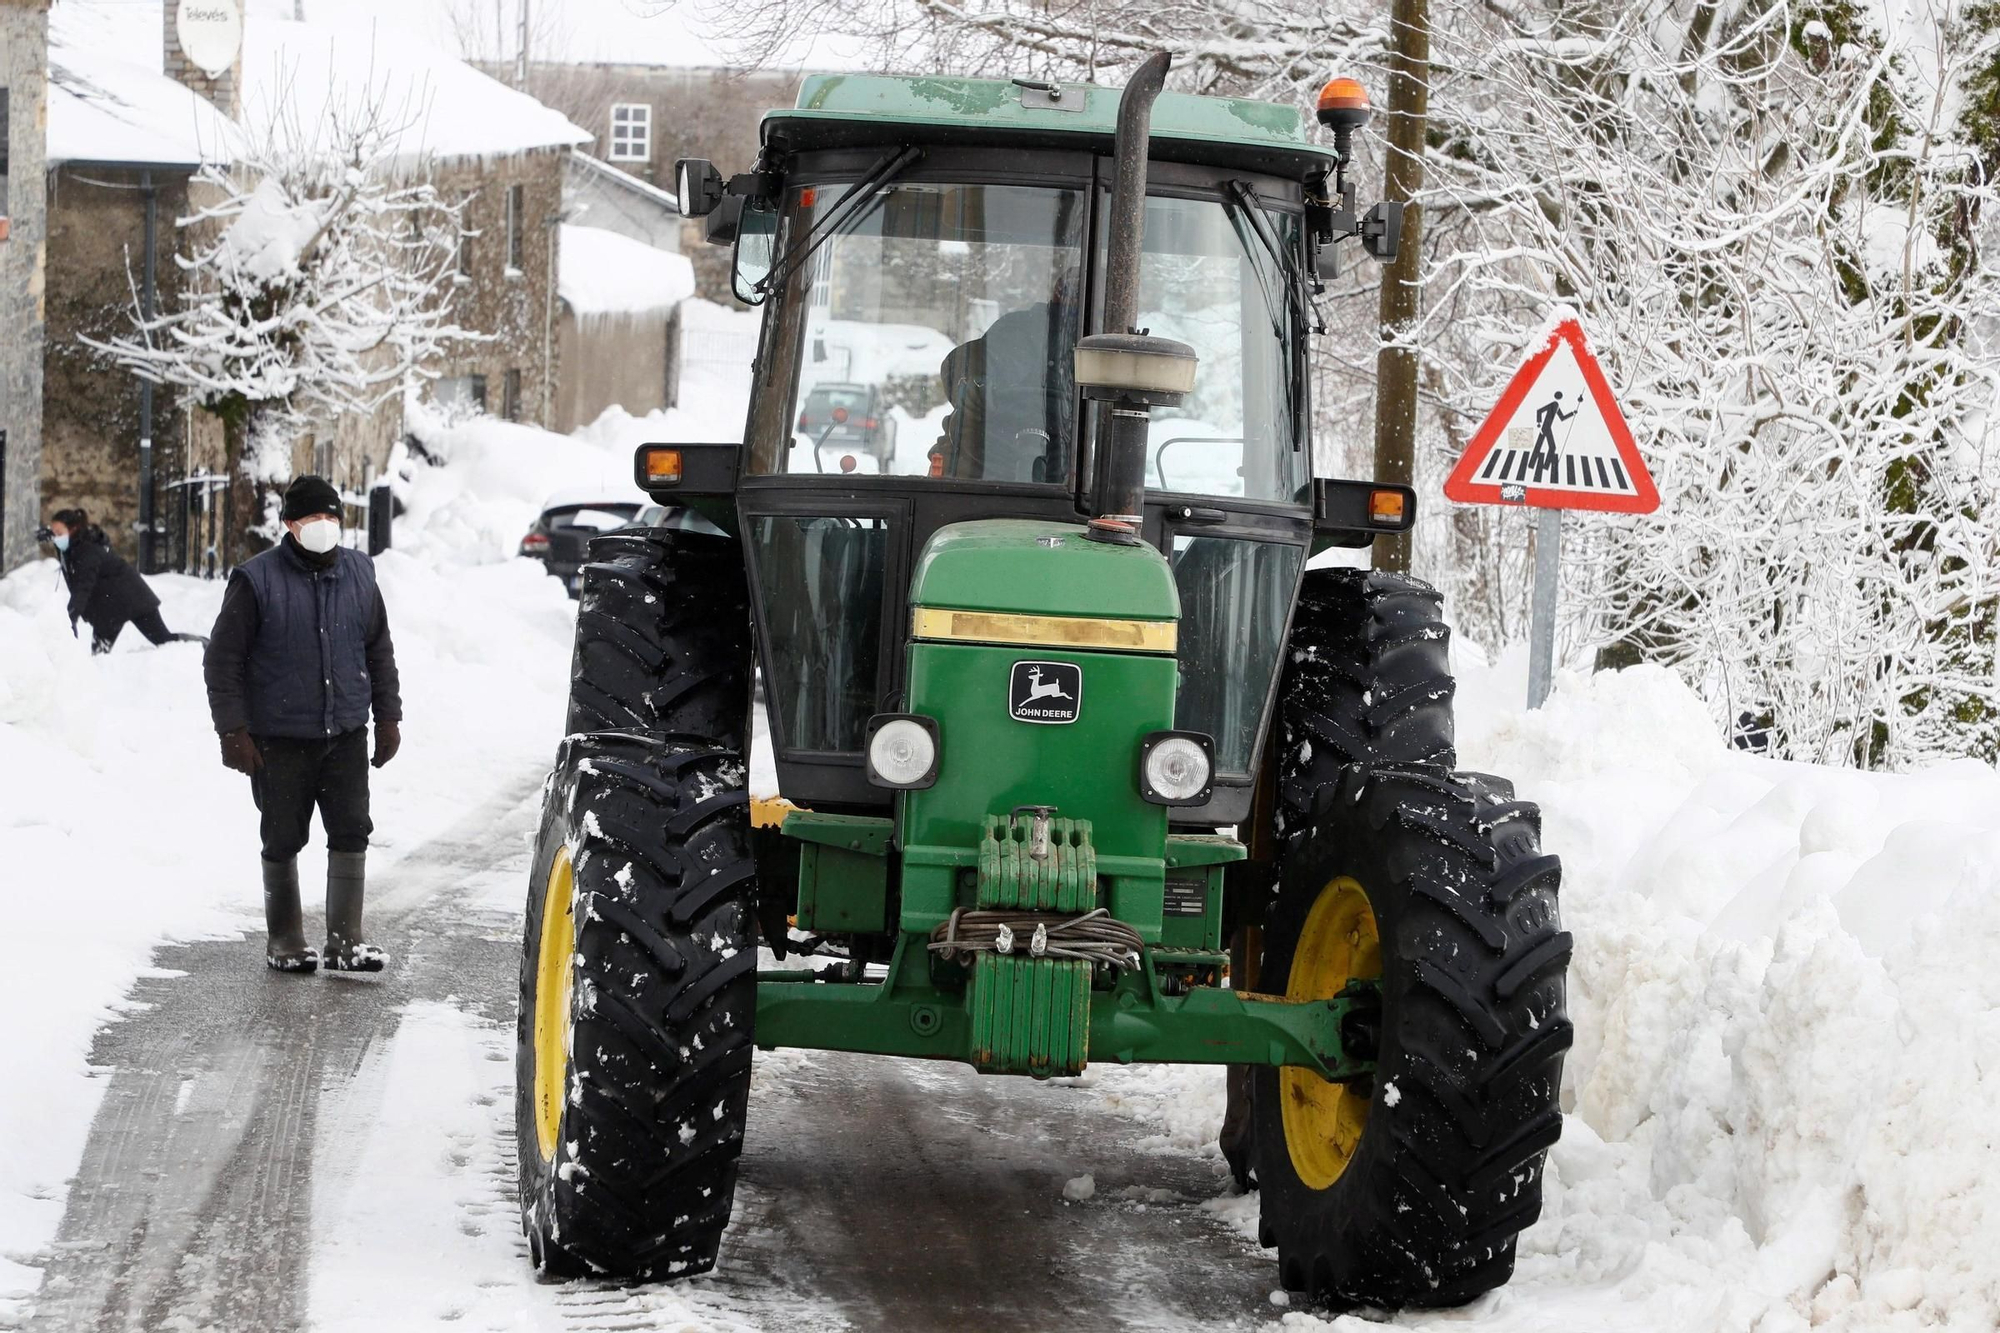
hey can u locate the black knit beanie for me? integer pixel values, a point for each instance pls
(309, 496)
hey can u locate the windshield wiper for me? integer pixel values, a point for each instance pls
(877, 179)
(1288, 315)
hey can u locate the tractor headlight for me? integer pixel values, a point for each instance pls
(902, 750)
(1177, 768)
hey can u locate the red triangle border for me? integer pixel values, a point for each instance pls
(1461, 487)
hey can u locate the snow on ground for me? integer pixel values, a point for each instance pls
(113, 796)
(1782, 1097)
(424, 1134)
(1785, 1092)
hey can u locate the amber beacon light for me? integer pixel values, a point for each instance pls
(1343, 104)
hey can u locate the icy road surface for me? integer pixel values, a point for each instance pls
(337, 1153)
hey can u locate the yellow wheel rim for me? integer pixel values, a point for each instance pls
(553, 972)
(1323, 1121)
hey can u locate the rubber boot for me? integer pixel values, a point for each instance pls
(346, 878)
(285, 947)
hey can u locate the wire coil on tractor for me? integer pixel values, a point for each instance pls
(1094, 937)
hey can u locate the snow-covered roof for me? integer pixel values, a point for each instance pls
(683, 34)
(603, 273)
(625, 180)
(106, 109)
(295, 74)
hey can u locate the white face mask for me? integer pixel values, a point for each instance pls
(319, 535)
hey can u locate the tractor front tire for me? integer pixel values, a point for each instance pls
(663, 637)
(638, 995)
(1408, 1187)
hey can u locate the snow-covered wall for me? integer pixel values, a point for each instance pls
(23, 63)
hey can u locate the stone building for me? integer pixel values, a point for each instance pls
(644, 117)
(597, 194)
(619, 326)
(123, 142)
(23, 239)
(498, 151)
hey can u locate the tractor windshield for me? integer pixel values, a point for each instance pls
(940, 322)
(955, 307)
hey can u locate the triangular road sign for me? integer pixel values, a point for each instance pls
(1556, 440)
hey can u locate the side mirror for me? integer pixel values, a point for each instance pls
(1382, 232)
(699, 186)
(756, 251)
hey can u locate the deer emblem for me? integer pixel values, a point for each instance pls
(1037, 689)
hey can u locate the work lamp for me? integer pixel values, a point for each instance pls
(1177, 768)
(902, 751)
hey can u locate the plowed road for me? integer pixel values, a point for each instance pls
(279, 1153)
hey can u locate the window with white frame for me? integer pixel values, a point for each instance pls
(631, 132)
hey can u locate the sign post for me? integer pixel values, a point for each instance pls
(1555, 440)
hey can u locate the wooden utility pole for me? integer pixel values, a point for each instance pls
(1402, 178)
(521, 56)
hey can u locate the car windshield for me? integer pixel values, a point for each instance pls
(595, 517)
(943, 317)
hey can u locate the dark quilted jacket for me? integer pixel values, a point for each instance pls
(301, 650)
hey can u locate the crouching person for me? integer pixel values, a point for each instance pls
(299, 656)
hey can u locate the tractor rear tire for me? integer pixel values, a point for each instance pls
(1367, 681)
(1408, 1187)
(638, 995)
(663, 638)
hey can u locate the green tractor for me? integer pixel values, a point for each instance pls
(1079, 760)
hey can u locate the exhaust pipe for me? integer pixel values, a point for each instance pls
(1120, 366)
(1128, 192)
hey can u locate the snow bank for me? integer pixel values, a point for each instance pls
(604, 273)
(477, 484)
(1786, 1080)
(1785, 1091)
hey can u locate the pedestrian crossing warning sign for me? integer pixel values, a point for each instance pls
(1556, 440)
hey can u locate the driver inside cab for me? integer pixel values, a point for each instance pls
(1011, 392)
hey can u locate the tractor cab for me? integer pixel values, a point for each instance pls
(936, 249)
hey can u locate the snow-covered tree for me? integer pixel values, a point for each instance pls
(319, 284)
(1769, 217)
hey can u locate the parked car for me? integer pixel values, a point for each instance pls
(561, 534)
(850, 416)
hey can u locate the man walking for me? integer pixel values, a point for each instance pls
(299, 655)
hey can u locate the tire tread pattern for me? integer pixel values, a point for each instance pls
(1449, 1168)
(663, 637)
(664, 998)
(1367, 680)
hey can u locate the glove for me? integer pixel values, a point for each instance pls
(240, 752)
(388, 739)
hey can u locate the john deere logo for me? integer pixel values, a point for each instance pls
(1045, 692)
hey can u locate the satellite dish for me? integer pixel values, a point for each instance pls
(210, 32)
